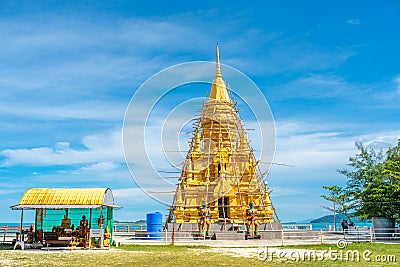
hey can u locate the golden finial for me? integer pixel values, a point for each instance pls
(217, 61)
(218, 88)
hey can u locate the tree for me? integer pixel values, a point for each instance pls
(373, 184)
(392, 178)
(365, 173)
(338, 196)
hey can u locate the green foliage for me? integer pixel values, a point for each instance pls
(373, 184)
(392, 164)
(339, 196)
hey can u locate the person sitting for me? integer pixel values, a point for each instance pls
(31, 235)
(345, 226)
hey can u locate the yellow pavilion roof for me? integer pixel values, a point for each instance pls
(66, 198)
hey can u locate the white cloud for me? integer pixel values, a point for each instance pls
(88, 110)
(353, 21)
(101, 166)
(317, 86)
(97, 148)
(135, 199)
(318, 146)
(278, 191)
(9, 191)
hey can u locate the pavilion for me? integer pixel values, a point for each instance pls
(59, 213)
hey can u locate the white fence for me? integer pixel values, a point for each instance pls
(273, 237)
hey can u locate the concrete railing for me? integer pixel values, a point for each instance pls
(8, 233)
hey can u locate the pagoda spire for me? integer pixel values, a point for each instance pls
(218, 89)
(218, 72)
(220, 167)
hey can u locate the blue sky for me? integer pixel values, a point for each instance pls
(330, 71)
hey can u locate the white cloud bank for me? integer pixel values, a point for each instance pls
(316, 146)
(97, 148)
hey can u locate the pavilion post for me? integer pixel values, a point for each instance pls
(41, 219)
(90, 227)
(101, 227)
(36, 225)
(20, 226)
(90, 218)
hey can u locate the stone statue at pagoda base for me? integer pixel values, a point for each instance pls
(252, 223)
(204, 220)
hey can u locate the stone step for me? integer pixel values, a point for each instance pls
(229, 235)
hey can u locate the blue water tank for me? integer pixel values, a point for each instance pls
(154, 225)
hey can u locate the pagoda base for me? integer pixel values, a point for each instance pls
(227, 231)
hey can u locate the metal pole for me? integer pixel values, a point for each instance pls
(320, 232)
(370, 234)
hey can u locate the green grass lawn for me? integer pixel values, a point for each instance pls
(142, 255)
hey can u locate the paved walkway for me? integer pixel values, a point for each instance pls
(222, 243)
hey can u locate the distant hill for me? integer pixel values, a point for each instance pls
(339, 217)
(140, 222)
(305, 220)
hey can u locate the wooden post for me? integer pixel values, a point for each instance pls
(173, 233)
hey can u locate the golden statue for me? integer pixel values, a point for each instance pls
(107, 236)
(66, 222)
(83, 226)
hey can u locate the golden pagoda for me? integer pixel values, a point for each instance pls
(220, 167)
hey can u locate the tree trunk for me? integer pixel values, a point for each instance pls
(334, 216)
